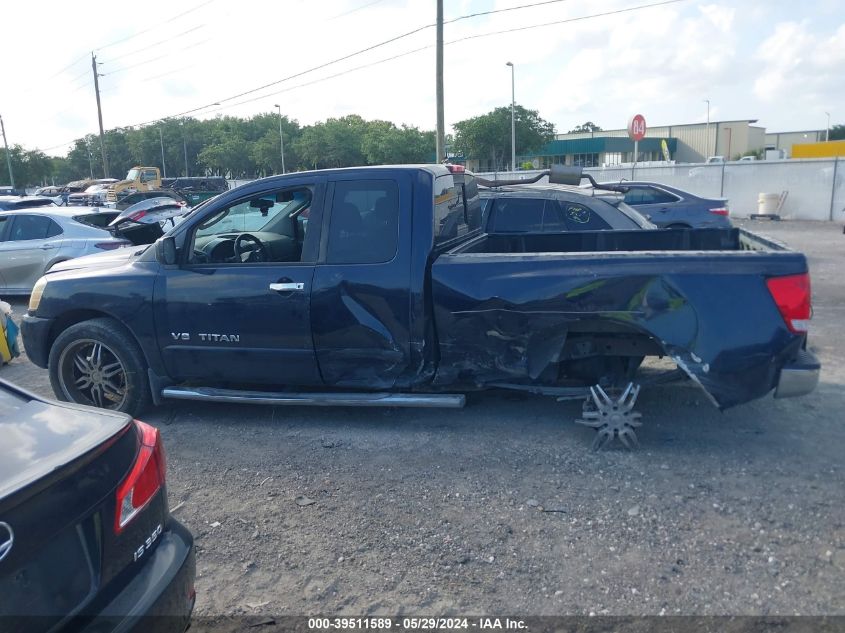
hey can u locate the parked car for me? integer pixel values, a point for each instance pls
(32, 239)
(53, 192)
(6, 190)
(197, 189)
(85, 528)
(552, 209)
(8, 203)
(670, 207)
(138, 196)
(377, 286)
(93, 196)
(79, 186)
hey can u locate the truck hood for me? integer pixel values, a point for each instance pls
(107, 259)
(39, 436)
(120, 183)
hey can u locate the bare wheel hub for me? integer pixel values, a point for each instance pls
(612, 416)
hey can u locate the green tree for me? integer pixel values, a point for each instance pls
(29, 167)
(489, 135)
(383, 143)
(335, 143)
(589, 126)
(837, 132)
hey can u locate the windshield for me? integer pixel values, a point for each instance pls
(132, 174)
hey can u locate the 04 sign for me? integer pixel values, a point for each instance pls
(636, 127)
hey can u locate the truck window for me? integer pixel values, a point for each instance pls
(450, 211)
(364, 225)
(267, 228)
(581, 218)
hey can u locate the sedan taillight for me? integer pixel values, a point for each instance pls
(720, 211)
(144, 480)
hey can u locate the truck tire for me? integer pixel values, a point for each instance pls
(97, 363)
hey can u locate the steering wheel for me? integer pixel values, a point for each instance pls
(255, 252)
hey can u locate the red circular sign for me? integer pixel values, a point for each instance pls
(636, 127)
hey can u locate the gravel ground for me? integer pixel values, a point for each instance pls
(500, 508)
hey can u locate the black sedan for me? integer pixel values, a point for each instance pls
(536, 208)
(87, 542)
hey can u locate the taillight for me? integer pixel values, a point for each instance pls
(110, 246)
(792, 297)
(136, 216)
(720, 211)
(144, 480)
(456, 169)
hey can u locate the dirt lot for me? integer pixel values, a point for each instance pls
(500, 508)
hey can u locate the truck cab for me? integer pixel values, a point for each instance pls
(137, 179)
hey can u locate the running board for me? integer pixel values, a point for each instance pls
(424, 400)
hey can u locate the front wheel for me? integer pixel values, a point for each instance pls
(97, 363)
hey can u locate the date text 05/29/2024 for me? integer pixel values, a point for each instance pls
(417, 624)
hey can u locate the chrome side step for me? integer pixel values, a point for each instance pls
(381, 399)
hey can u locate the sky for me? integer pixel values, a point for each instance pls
(771, 60)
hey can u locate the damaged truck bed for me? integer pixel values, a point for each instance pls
(377, 286)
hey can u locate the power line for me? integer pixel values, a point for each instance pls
(166, 40)
(154, 26)
(567, 20)
(463, 39)
(70, 65)
(345, 57)
(428, 46)
(351, 11)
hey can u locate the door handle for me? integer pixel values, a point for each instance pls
(47, 247)
(287, 286)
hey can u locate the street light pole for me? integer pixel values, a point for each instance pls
(163, 166)
(827, 130)
(707, 131)
(8, 157)
(281, 138)
(513, 118)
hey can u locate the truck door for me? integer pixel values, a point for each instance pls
(237, 310)
(360, 302)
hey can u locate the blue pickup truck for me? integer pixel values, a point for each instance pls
(376, 286)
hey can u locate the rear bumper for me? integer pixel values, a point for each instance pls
(799, 377)
(160, 598)
(36, 333)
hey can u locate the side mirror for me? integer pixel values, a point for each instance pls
(166, 251)
(563, 175)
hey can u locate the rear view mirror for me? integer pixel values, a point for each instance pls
(166, 251)
(563, 175)
(284, 196)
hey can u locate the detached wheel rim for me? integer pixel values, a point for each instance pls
(91, 373)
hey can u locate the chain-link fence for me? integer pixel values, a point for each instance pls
(814, 189)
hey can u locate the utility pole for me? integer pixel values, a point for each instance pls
(441, 125)
(8, 156)
(185, 147)
(707, 132)
(90, 161)
(163, 166)
(100, 115)
(513, 118)
(827, 131)
(281, 137)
